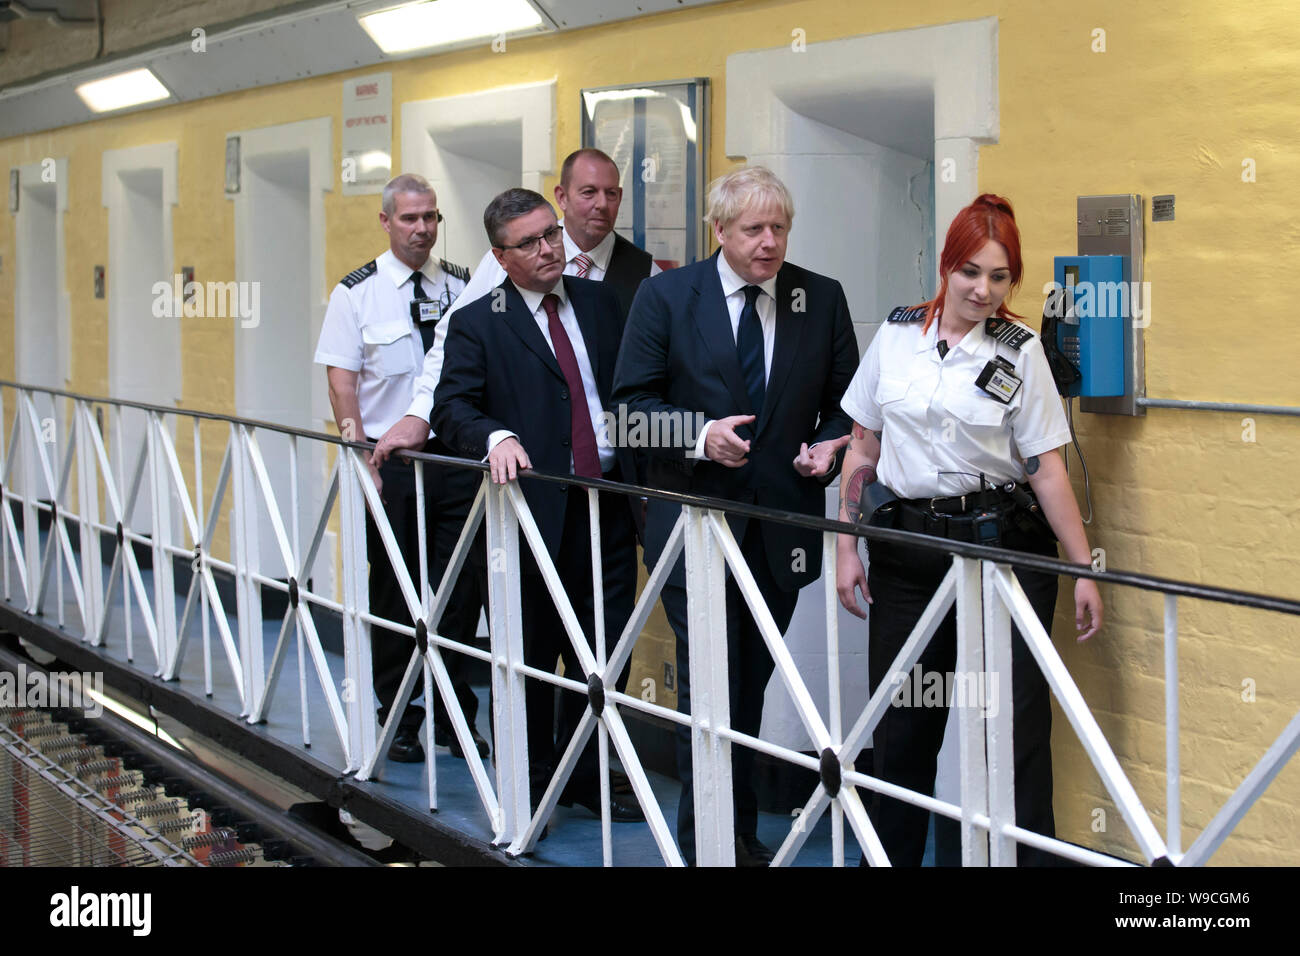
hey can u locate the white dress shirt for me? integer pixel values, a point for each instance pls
(599, 256)
(564, 311)
(733, 291)
(487, 275)
(939, 430)
(368, 330)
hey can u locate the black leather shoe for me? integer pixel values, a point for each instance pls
(406, 746)
(621, 809)
(479, 743)
(750, 852)
(446, 737)
(619, 783)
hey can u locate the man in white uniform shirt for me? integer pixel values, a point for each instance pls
(378, 326)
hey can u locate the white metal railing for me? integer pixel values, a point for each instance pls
(980, 584)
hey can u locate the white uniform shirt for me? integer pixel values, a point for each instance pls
(487, 275)
(368, 329)
(939, 430)
(564, 312)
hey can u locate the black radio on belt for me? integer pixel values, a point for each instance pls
(986, 528)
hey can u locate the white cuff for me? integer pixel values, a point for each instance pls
(421, 405)
(349, 363)
(699, 444)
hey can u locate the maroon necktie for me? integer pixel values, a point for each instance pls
(586, 460)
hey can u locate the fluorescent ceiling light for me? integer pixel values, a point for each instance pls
(418, 26)
(125, 89)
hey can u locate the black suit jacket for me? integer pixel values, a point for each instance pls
(679, 356)
(628, 267)
(499, 373)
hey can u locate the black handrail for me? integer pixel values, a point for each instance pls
(1146, 582)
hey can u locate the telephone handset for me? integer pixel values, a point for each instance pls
(1064, 372)
(1083, 325)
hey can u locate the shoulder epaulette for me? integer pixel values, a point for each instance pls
(356, 275)
(460, 272)
(904, 314)
(1008, 333)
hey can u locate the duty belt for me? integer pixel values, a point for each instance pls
(979, 517)
(960, 504)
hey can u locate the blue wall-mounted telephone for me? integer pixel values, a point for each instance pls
(1085, 325)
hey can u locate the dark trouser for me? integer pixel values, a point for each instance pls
(906, 741)
(448, 493)
(749, 665)
(545, 639)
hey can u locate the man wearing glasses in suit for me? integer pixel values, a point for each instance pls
(526, 379)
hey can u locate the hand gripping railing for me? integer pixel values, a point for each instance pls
(980, 585)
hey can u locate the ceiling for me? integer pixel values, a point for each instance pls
(308, 39)
(55, 11)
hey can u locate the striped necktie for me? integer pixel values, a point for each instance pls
(584, 263)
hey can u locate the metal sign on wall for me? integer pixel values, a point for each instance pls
(367, 133)
(656, 134)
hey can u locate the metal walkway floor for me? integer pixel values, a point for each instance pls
(401, 791)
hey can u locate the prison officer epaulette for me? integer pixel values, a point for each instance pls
(1008, 333)
(459, 272)
(356, 275)
(904, 314)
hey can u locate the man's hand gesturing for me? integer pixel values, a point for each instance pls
(816, 461)
(723, 445)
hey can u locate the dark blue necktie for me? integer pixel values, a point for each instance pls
(749, 349)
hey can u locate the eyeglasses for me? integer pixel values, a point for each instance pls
(554, 236)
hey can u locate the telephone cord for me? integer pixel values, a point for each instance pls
(1087, 485)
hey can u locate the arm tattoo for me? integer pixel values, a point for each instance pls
(1031, 465)
(851, 492)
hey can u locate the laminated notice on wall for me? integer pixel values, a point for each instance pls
(653, 133)
(367, 133)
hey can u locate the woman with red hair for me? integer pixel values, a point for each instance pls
(957, 426)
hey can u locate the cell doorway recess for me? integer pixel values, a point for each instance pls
(144, 328)
(878, 139)
(41, 307)
(285, 172)
(472, 147)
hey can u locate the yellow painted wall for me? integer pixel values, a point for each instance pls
(1191, 90)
